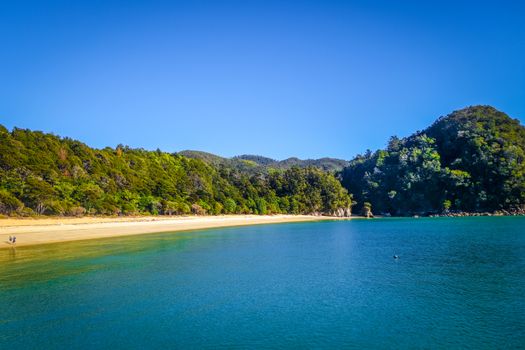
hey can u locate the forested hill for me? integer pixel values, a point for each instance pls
(472, 160)
(259, 164)
(45, 174)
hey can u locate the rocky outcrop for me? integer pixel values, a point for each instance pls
(342, 212)
(503, 212)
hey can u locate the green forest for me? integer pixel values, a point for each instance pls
(472, 160)
(43, 174)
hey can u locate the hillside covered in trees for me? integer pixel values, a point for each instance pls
(259, 164)
(45, 174)
(472, 160)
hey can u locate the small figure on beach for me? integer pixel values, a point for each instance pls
(14, 240)
(10, 239)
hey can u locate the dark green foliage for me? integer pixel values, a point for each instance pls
(259, 160)
(327, 164)
(258, 164)
(471, 160)
(48, 175)
(9, 203)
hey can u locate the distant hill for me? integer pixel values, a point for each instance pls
(44, 174)
(472, 160)
(260, 160)
(255, 163)
(205, 156)
(327, 164)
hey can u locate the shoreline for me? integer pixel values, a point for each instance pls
(60, 229)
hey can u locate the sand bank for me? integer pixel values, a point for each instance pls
(53, 230)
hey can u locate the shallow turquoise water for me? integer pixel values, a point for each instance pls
(459, 283)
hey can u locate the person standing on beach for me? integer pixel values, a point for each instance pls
(14, 239)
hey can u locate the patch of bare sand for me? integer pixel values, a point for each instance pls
(53, 230)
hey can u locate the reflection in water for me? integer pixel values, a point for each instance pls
(12, 254)
(458, 284)
(20, 265)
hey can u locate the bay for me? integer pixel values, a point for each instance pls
(458, 283)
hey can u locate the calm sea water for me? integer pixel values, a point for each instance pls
(459, 283)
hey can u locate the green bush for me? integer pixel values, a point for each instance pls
(8, 203)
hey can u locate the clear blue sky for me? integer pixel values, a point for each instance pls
(276, 78)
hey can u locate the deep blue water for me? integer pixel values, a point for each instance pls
(459, 283)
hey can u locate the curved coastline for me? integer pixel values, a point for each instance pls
(56, 230)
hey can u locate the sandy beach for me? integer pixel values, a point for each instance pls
(53, 230)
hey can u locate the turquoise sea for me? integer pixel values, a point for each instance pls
(459, 283)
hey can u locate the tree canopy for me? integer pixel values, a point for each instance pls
(470, 160)
(45, 174)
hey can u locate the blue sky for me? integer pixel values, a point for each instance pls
(276, 78)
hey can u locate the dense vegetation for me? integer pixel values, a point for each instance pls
(472, 160)
(259, 164)
(45, 174)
